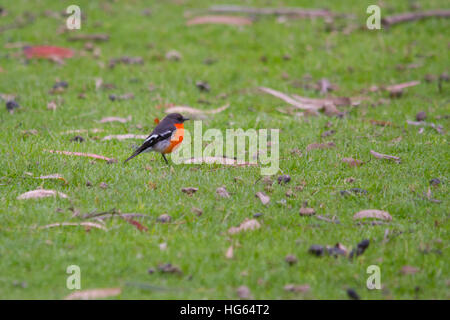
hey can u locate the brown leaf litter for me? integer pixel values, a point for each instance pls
(373, 214)
(326, 145)
(229, 253)
(189, 190)
(265, 199)
(246, 225)
(438, 128)
(222, 191)
(297, 288)
(352, 162)
(396, 90)
(94, 294)
(313, 105)
(41, 193)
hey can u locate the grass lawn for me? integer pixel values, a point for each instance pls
(273, 53)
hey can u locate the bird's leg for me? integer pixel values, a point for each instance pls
(167, 162)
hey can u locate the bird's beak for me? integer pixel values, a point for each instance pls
(185, 119)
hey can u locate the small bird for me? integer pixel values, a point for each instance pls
(167, 135)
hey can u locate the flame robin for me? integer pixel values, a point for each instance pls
(164, 139)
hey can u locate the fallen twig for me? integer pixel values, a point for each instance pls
(64, 224)
(438, 128)
(413, 16)
(288, 99)
(89, 37)
(228, 20)
(80, 154)
(284, 11)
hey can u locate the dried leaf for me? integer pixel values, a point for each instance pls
(409, 270)
(307, 211)
(291, 259)
(352, 162)
(164, 218)
(189, 190)
(189, 110)
(373, 213)
(115, 119)
(380, 123)
(126, 96)
(169, 268)
(247, 224)
(321, 102)
(438, 128)
(137, 224)
(198, 212)
(222, 191)
(384, 156)
(265, 199)
(297, 288)
(47, 52)
(327, 145)
(80, 154)
(125, 60)
(173, 55)
(227, 20)
(51, 105)
(288, 99)
(396, 90)
(243, 292)
(229, 253)
(41, 193)
(94, 294)
(124, 136)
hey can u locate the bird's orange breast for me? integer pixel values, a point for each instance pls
(176, 139)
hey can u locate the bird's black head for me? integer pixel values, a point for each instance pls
(178, 118)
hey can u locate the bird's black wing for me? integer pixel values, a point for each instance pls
(160, 133)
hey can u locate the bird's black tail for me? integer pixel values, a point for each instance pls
(131, 157)
(137, 152)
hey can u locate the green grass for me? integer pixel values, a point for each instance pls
(197, 245)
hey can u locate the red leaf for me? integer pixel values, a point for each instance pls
(47, 52)
(138, 226)
(156, 120)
